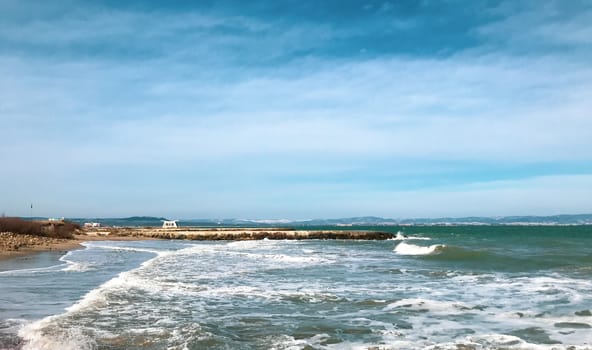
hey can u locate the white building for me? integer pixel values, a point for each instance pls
(169, 223)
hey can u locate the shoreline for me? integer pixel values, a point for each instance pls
(47, 244)
(13, 245)
(18, 245)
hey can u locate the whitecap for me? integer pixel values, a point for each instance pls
(412, 249)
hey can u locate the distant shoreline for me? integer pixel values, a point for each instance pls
(353, 222)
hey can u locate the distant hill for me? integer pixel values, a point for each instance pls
(578, 219)
(131, 221)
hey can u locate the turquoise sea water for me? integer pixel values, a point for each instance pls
(438, 288)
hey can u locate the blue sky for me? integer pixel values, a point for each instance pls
(295, 109)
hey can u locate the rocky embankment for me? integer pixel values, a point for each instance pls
(15, 242)
(234, 234)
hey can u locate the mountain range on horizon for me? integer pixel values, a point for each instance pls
(565, 219)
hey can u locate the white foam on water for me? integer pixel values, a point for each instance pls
(246, 291)
(309, 295)
(497, 341)
(125, 281)
(439, 310)
(529, 292)
(561, 287)
(45, 334)
(73, 266)
(32, 271)
(400, 236)
(275, 258)
(11, 325)
(78, 267)
(256, 244)
(201, 249)
(412, 249)
(478, 342)
(156, 282)
(239, 247)
(433, 306)
(287, 258)
(502, 303)
(119, 248)
(419, 238)
(67, 265)
(97, 297)
(40, 335)
(286, 342)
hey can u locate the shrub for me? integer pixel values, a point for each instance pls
(16, 225)
(64, 229)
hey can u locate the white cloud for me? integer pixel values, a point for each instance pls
(462, 108)
(70, 116)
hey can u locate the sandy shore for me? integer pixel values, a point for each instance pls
(13, 245)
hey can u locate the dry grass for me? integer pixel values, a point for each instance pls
(60, 229)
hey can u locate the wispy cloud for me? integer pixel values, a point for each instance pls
(251, 105)
(458, 108)
(540, 28)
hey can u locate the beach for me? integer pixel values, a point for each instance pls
(15, 245)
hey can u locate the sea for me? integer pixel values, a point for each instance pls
(428, 287)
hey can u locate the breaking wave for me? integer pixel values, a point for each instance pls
(446, 252)
(400, 236)
(412, 249)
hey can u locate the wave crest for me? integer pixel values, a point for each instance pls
(412, 249)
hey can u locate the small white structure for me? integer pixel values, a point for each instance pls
(92, 224)
(169, 223)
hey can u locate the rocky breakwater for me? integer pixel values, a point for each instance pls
(243, 234)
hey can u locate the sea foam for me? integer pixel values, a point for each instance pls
(412, 249)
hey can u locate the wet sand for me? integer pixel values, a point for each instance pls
(13, 245)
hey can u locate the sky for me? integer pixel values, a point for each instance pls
(295, 109)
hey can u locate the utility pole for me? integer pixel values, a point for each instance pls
(31, 211)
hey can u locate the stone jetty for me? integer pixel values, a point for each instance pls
(236, 234)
